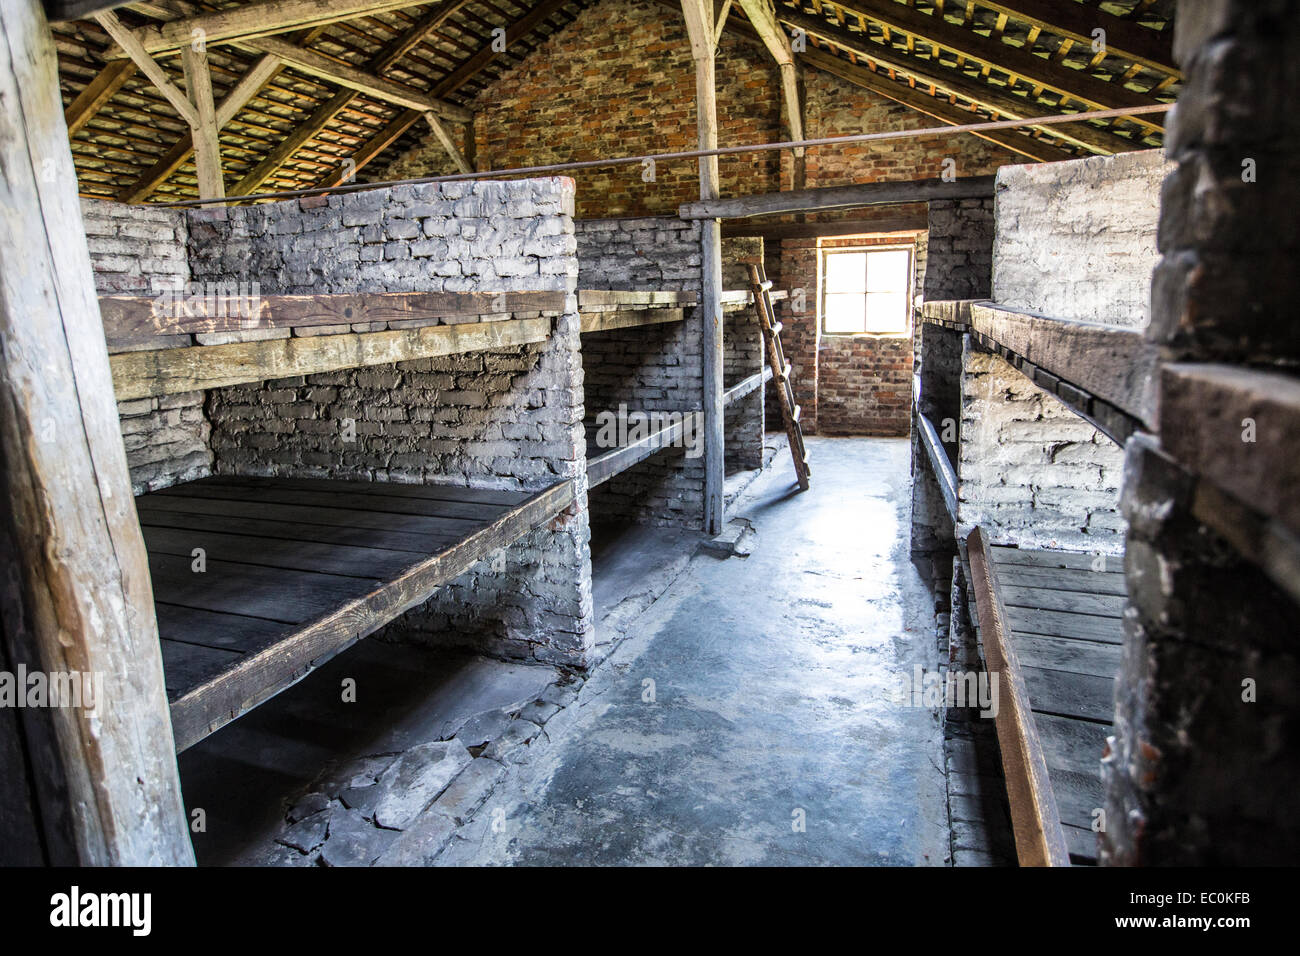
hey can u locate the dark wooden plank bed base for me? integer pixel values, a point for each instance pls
(298, 570)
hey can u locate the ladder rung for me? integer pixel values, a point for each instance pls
(765, 284)
(798, 411)
(776, 328)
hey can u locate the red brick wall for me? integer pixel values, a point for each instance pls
(619, 81)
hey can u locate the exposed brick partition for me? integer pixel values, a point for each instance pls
(646, 368)
(1196, 774)
(959, 250)
(507, 418)
(743, 356)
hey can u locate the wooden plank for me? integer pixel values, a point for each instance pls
(465, 511)
(776, 231)
(127, 316)
(943, 470)
(1082, 696)
(197, 521)
(1106, 563)
(1063, 579)
(1034, 817)
(838, 197)
(1082, 844)
(610, 463)
(188, 665)
(1108, 630)
(1073, 745)
(443, 492)
(1111, 363)
(74, 582)
(275, 552)
(234, 633)
(232, 587)
(1078, 796)
(629, 318)
(251, 20)
(747, 385)
(590, 298)
(1074, 656)
(169, 371)
(260, 676)
(336, 517)
(954, 312)
(1078, 602)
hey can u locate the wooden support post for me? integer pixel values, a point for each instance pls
(207, 148)
(75, 595)
(700, 27)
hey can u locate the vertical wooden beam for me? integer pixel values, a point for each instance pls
(75, 593)
(207, 146)
(700, 28)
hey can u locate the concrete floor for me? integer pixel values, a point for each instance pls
(754, 696)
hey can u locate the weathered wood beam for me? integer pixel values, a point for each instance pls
(249, 21)
(605, 320)
(97, 92)
(1035, 819)
(204, 132)
(169, 371)
(1124, 38)
(839, 197)
(1114, 364)
(1001, 56)
(747, 385)
(75, 597)
(335, 71)
(444, 138)
(132, 317)
(931, 72)
(774, 231)
(762, 17)
(148, 66)
(700, 28)
(944, 474)
(602, 467)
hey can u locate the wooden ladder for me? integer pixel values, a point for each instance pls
(771, 329)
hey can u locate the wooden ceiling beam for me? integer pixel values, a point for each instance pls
(520, 28)
(320, 117)
(334, 71)
(148, 66)
(762, 17)
(1124, 38)
(935, 74)
(97, 92)
(1004, 57)
(250, 21)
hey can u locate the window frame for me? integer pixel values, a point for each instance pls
(824, 252)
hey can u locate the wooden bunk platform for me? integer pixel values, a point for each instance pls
(296, 570)
(1051, 623)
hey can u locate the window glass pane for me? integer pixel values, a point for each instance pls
(887, 271)
(886, 312)
(843, 313)
(846, 272)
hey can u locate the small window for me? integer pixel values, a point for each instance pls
(866, 290)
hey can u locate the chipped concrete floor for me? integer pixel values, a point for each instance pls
(751, 716)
